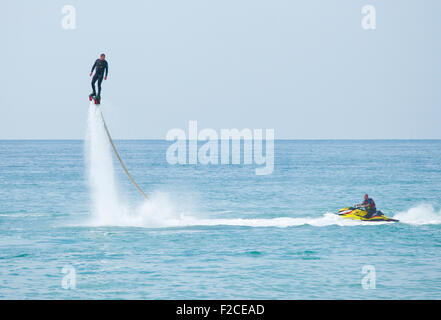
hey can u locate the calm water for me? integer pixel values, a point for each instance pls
(221, 231)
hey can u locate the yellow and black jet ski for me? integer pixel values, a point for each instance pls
(358, 213)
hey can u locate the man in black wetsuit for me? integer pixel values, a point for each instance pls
(369, 205)
(100, 67)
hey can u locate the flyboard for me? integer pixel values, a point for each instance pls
(96, 99)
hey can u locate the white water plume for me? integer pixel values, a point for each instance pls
(420, 215)
(102, 182)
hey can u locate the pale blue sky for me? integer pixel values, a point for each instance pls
(305, 68)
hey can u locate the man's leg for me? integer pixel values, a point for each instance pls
(370, 213)
(100, 79)
(94, 79)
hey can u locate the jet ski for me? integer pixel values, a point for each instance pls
(358, 213)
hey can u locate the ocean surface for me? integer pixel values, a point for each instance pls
(217, 231)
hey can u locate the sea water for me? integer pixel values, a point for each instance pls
(217, 231)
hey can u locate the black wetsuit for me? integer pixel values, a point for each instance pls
(101, 66)
(371, 208)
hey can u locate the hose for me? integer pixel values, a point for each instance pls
(119, 158)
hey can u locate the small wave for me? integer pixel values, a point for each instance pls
(23, 255)
(420, 215)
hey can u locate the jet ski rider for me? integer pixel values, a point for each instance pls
(369, 205)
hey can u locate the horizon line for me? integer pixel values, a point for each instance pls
(281, 139)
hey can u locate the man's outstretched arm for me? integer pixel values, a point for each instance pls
(107, 70)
